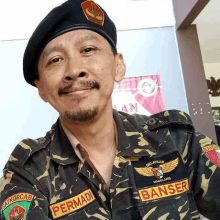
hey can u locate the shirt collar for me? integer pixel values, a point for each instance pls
(61, 150)
(131, 141)
(74, 142)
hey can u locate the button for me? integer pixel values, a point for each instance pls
(42, 140)
(151, 121)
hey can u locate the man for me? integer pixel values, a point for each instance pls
(95, 162)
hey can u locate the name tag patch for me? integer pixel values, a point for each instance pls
(71, 205)
(165, 190)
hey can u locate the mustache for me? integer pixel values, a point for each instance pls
(85, 84)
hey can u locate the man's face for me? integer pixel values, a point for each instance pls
(77, 72)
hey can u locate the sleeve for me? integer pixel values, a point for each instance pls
(21, 195)
(202, 158)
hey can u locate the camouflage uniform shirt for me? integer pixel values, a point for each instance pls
(163, 170)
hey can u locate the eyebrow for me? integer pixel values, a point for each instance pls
(86, 38)
(77, 42)
(50, 50)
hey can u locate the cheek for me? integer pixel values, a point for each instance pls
(105, 70)
(52, 79)
(50, 86)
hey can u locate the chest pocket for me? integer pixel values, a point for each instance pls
(163, 188)
(91, 211)
(177, 207)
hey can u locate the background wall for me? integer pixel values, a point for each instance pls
(154, 51)
(25, 115)
(18, 19)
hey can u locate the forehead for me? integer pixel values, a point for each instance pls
(75, 37)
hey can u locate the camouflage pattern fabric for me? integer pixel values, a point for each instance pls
(163, 170)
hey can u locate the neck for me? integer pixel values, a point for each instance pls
(95, 135)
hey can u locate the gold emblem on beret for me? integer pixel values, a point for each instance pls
(93, 12)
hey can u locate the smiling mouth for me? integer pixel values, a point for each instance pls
(76, 91)
(80, 87)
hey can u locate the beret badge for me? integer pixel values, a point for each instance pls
(93, 12)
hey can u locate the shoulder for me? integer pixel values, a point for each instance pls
(174, 125)
(29, 148)
(161, 119)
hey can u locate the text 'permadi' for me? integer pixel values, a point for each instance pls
(72, 204)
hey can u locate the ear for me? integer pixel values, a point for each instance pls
(120, 68)
(41, 91)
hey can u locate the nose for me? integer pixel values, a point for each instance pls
(69, 78)
(75, 70)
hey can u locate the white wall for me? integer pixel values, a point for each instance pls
(18, 19)
(23, 113)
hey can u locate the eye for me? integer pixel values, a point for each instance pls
(89, 49)
(54, 60)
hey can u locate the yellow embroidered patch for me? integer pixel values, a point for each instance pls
(71, 205)
(210, 148)
(17, 198)
(162, 191)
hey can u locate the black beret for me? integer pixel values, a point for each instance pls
(71, 15)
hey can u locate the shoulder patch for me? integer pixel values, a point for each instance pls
(213, 153)
(16, 206)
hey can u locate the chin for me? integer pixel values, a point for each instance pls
(81, 116)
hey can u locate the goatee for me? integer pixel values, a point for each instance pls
(81, 116)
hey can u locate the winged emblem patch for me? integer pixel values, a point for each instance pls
(158, 171)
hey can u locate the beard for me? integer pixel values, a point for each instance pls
(81, 116)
